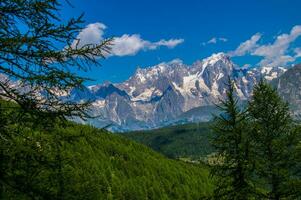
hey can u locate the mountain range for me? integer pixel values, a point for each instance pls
(170, 93)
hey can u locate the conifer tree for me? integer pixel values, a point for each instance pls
(39, 54)
(231, 143)
(274, 140)
(3, 134)
(38, 51)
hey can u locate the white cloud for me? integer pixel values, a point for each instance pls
(281, 60)
(247, 46)
(176, 61)
(127, 45)
(132, 44)
(91, 34)
(167, 43)
(121, 46)
(273, 54)
(214, 40)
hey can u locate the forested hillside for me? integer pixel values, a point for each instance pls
(45, 156)
(81, 162)
(189, 140)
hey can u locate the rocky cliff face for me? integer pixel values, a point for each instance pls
(289, 88)
(161, 94)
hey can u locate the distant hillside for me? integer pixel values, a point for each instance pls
(100, 165)
(190, 140)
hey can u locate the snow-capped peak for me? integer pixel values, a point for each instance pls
(163, 92)
(214, 58)
(270, 73)
(149, 71)
(175, 61)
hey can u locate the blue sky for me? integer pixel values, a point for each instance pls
(254, 32)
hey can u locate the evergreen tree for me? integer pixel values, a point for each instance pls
(3, 135)
(274, 140)
(231, 143)
(296, 186)
(38, 52)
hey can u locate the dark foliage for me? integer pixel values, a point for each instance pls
(274, 141)
(257, 148)
(81, 162)
(232, 144)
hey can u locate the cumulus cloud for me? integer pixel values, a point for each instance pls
(127, 45)
(214, 40)
(282, 60)
(124, 45)
(132, 44)
(91, 34)
(277, 53)
(247, 46)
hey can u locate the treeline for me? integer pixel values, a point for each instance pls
(258, 148)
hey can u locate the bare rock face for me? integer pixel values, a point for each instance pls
(289, 88)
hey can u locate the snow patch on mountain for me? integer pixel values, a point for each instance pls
(157, 95)
(145, 95)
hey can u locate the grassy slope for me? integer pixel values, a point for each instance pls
(190, 140)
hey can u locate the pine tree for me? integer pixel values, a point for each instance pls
(274, 139)
(232, 147)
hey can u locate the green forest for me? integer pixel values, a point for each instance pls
(252, 151)
(255, 151)
(180, 141)
(82, 162)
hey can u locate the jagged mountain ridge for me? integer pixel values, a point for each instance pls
(158, 95)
